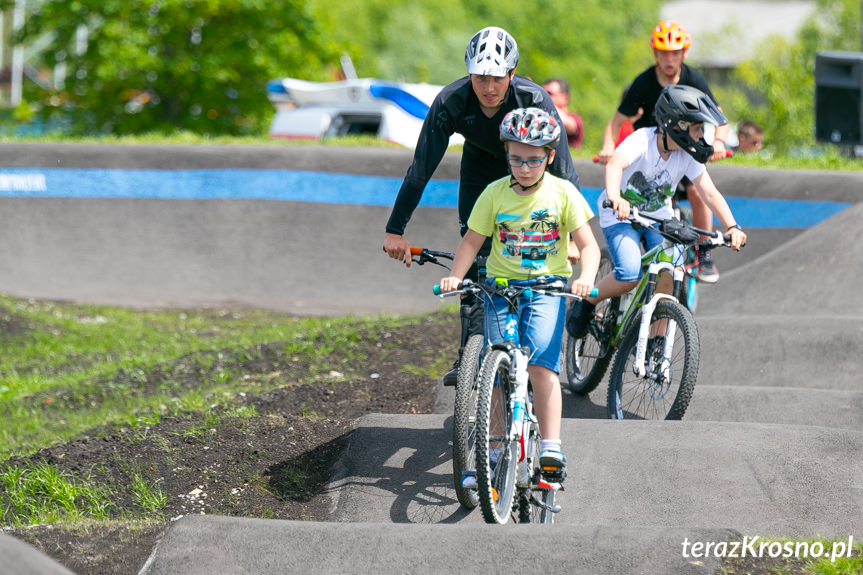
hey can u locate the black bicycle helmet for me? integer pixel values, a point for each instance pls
(677, 107)
(531, 126)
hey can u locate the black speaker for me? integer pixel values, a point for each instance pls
(839, 97)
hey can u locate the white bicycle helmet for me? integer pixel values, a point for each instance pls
(531, 126)
(491, 52)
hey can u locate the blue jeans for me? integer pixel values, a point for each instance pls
(624, 246)
(540, 325)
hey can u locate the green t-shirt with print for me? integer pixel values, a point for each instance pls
(530, 233)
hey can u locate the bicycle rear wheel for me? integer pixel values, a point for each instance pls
(496, 455)
(527, 511)
(547, 515)
(464, 420)
(586, 360)
(665, 391)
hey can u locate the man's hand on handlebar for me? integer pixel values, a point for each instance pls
(720, 152)
(604, 155)
(398, 248)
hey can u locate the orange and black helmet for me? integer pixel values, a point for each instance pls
(669, 36)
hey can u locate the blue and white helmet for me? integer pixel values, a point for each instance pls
(491, 52)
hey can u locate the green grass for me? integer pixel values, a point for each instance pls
(188, 138)
(796, 556)
(68, 368)
(821, 157)
(43, 494)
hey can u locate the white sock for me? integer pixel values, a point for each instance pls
(549, 445)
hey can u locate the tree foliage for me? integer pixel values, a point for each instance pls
(597, 45)
(197, 65)
(776, 88)
(202, 65)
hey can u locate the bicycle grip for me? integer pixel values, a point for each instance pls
(436, 289)
(416, 251)
(594, 292)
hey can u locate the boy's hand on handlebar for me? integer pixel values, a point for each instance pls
(398, 248)
(738, 238)
(580, 288)
(449, 284)
(620, 206)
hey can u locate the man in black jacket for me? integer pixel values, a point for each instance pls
(474, 107)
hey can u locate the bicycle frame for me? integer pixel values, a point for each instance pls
(519, 399)
(524, 427)
(645, 297)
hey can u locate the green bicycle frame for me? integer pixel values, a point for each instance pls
(655, 260)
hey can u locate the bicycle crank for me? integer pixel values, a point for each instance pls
(539, 503)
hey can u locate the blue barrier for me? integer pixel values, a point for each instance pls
(319, 187)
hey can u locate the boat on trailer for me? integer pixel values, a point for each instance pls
(394, 111)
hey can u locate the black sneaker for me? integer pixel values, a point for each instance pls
(578, 318)
(450, 378)
(705, 271)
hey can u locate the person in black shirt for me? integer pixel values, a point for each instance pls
(670, 42)
(474, 107)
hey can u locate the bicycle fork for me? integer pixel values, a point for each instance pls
(521, 410)
(640, 363)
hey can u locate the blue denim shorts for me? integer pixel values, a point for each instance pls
(540, 325)
(624, 246)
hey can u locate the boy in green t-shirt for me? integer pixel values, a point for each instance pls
(529, 216)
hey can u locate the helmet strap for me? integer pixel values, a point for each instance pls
(513, 182)
(665, 141)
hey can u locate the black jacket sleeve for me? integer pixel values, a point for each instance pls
(431, 147)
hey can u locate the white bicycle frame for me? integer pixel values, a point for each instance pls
(654, 268)
(638, 366)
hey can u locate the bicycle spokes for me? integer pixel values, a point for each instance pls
(656, 382)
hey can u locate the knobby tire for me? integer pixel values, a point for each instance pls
(464, 420)
(586, 360)
(493, 425)
(632, 397)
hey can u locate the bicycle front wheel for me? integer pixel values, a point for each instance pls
(464, 420)
(496, 454)
(586, 360)
(665, 390)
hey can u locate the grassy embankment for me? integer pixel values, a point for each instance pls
(67, 370)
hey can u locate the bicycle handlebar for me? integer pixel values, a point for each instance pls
(717, 238)
(556, 288)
